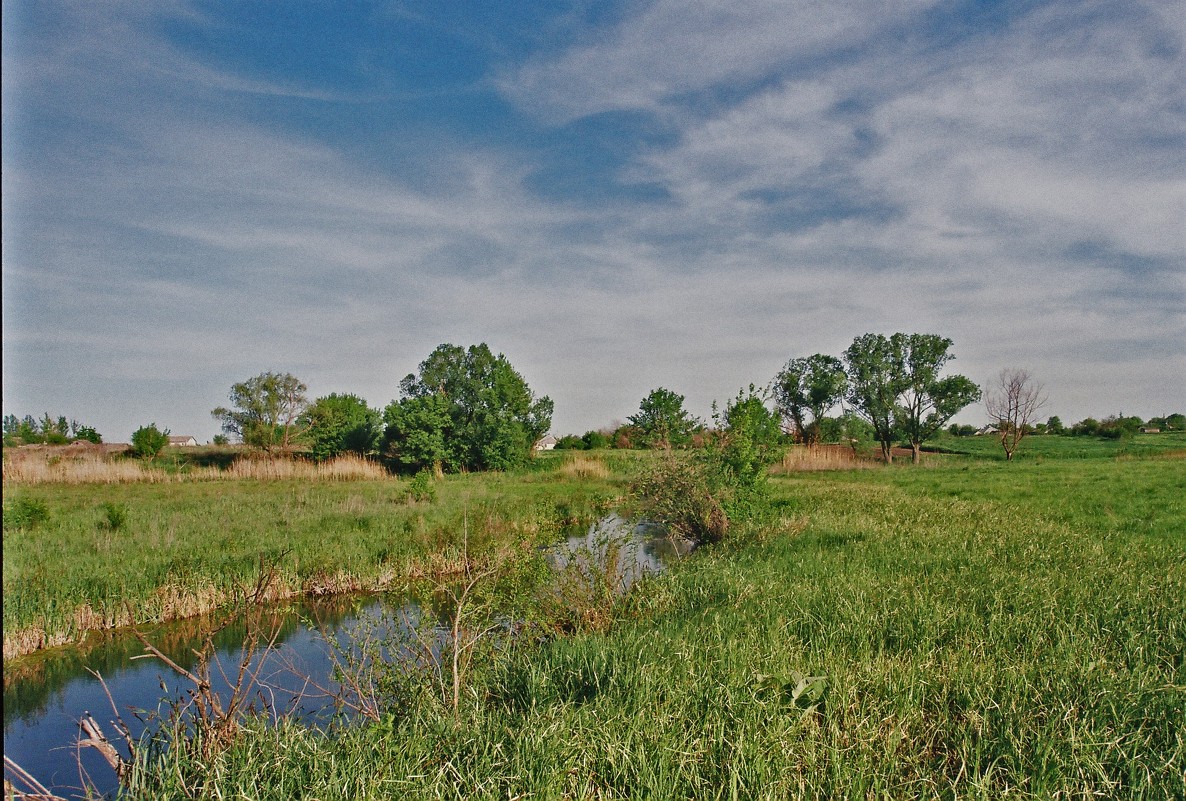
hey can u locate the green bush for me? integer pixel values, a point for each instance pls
(421, 488)
(684, 495)
(115, 515)
(25, 513)
(148, 441)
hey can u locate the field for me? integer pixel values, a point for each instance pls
(172, 546)
(973, 629)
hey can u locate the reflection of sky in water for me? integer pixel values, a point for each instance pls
(635, 550)
(41, 711)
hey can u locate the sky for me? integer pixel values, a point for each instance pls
(617, 196)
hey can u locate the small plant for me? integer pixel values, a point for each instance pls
(25, 513)
(148, 441)
(115, 515)
(421, 488)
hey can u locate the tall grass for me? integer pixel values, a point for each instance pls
(25, 467)
(184, 545)
(986, 631)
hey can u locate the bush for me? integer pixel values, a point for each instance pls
(421, 488)
(148, 441)
(114, 517)
(25, 513)
(683, 495)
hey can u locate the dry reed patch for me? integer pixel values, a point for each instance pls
(72, 465)
(822, 457)
(281, 468)
(580, 467)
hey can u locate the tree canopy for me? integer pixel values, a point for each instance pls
(928, 401)
(662, 421)
(338, 424)
(266, 411)
(466, 410)
(813, 384)
(894, 383)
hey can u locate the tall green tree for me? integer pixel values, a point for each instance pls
(338, 424)
(876, 377)
(662, 421)
(810, 385)
(894, 383)
(266, 411)
(928, 400)
(466, 410)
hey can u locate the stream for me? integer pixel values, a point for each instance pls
(46, 694)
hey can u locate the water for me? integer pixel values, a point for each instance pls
(46, 694)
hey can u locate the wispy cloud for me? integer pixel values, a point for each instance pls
(823, 170)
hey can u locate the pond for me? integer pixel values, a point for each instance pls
(46, 694)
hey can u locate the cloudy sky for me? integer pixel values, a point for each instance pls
(618, 196)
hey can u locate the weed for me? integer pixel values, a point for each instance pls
(114, 516)
(25, 513)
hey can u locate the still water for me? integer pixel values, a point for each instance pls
(46, 694)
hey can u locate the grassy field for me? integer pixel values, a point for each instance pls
(983, 631)
(1040, 447)
(156, 550)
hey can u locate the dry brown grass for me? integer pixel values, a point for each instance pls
(580, 466)
(96, 466)
(44, 466)
(341, 468)
(823, 457)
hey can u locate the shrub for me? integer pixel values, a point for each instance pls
(114, 517)
(421, 488)
(683, 495)
(25, 513)
(148, 441)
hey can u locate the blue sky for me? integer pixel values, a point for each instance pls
(618, 196)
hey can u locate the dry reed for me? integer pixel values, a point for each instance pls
(583, 467)
(43, 466)
(822, 457)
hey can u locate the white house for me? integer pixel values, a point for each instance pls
(182, 442)
(546, 444)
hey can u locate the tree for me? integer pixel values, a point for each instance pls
(814, 384)
(662, 420)
(148, 441)
(595, 440)
(927, 401)
(339, 424)
(749, 439)
(1013, 403)
(1054, 425)
(266, 411)
(876, 377)
(467, 410)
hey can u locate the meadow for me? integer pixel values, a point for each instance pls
(168, 543)
(964, 629)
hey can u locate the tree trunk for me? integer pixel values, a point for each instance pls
(887, 452)
(916, 452)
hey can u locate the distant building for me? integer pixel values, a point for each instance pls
(1150, 430)
(548, 443)
(182, 442)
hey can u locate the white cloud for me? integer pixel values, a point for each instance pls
(670, 47)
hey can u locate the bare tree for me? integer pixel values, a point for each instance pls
(1013, 402)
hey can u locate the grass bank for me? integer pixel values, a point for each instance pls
(985, 630)
(103, 555)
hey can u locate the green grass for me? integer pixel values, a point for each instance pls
(179, 547)
(1042, 447)
(987, 631)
